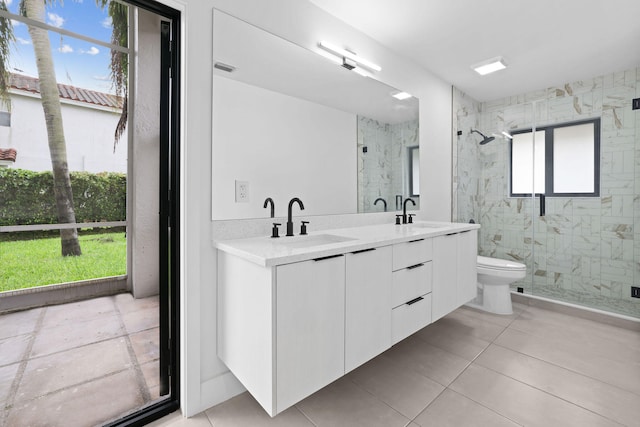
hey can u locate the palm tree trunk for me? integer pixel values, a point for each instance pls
(35, 9)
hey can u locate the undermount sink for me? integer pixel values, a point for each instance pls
(311, 240)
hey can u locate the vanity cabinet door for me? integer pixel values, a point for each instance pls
(467, 262)
(454, 271)
(445, 275)
(368, 296)
(310, 299)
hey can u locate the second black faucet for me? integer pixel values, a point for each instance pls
(289, 222)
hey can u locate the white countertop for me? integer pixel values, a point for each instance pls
(269, 252)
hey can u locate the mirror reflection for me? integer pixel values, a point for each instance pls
(288, 122)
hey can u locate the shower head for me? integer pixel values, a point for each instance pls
(485, 139)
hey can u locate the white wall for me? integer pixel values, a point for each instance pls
(88, 132)
(205, 379)
(267, 141)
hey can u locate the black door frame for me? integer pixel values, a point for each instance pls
(169, 215)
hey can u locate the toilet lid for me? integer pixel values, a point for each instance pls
(499, 264)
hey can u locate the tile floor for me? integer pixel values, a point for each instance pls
(78, 364)
(534, 368)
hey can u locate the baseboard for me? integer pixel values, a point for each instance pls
(219, 389)
(588, 313)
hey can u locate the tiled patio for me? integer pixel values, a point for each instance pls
(78, 364)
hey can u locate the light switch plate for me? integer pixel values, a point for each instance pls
(242, 191)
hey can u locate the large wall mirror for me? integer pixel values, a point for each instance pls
(288, 122)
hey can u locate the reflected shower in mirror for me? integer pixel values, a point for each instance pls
(289, 122)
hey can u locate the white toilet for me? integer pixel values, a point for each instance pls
(494, 277)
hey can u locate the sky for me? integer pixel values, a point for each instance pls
(77, 62)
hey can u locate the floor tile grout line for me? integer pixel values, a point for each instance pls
(568, 369)
(123, 335)
(555, 396)
(304, 414)
(378, 399)
(142, 382)
(17, 379)
(72, 386)
(447, 387)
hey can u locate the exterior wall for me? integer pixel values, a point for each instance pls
(585, 250)
(143, 186)
(88, 132)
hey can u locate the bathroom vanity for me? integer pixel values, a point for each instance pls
(296, 313)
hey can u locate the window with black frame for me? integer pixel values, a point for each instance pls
(567, 160)
(414, 171)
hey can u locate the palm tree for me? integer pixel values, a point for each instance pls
(35, 9)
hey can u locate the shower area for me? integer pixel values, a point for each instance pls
(584, 249)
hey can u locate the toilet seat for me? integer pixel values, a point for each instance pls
(499, 264)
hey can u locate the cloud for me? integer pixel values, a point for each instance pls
(92, 51)
(102, 78)
(20, 40)
(65, 48)
(107, 22)
(55, 20)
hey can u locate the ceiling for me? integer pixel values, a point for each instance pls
(544, 42)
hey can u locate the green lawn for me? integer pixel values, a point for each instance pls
(30, 263)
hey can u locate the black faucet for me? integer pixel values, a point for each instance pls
(404, 209)
(380, 199)
(273, 205)
(289, 222)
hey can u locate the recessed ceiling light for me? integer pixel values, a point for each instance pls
(401, 95)
(489, 66)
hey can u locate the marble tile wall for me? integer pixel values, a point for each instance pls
(585, 250)
(381, 170)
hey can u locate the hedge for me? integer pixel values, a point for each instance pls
(26, 197)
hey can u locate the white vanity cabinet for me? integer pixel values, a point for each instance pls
(281, 329)
(454, 271)
(293, 315)
(368, 295)
(411, 288)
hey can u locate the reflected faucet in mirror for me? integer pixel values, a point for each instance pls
(404, 209)
(268, 201)
(380, 199)
(289, 222)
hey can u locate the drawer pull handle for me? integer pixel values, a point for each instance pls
(363, 250)
(451, 234)
(417, 240)
(413, 301)
(415, 266)
(328, 257)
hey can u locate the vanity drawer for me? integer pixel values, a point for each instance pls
(412, 253)
(410, 318)
(410, 283)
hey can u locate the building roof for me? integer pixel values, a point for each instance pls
(8, 154)
(32, 84)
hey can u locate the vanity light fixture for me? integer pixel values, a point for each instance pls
(489, 66)
(401, 96)
(349, 60)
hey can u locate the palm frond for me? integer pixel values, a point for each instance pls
(7, 38)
